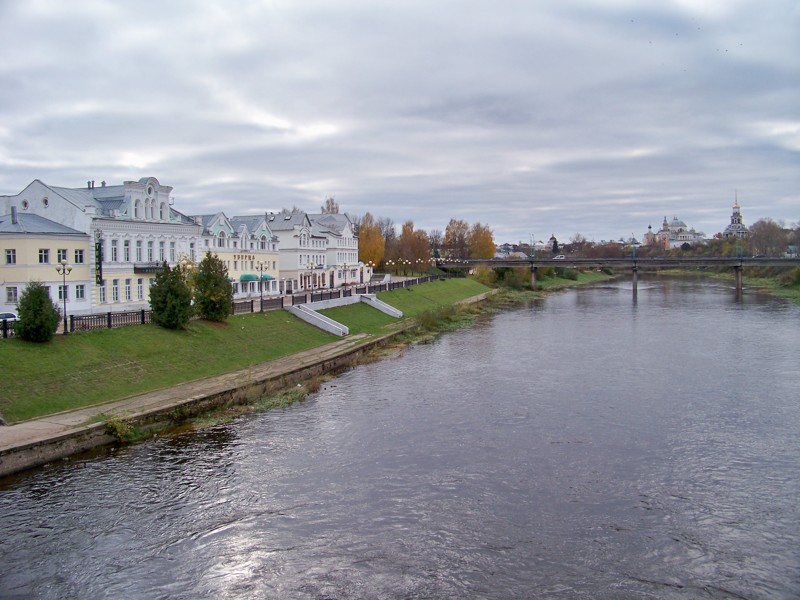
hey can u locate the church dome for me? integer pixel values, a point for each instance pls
(677, 224)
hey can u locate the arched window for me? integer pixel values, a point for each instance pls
(137, 209)
(221, 240)
(263, 245)
(163, 211)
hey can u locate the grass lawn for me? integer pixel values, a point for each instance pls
(93, 367)
(555, 283)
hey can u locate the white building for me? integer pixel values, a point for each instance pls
(128, 231)
(317, 250)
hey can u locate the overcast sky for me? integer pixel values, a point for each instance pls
(534, 117)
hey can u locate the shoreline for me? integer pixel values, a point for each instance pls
(37, 442)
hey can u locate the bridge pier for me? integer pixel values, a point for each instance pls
(738, 272)
(533, 277)
(635, 270)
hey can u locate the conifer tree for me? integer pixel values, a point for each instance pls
(38, 314)
(213, 295)
(171, 299)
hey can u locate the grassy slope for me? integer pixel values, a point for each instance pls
(98, 366)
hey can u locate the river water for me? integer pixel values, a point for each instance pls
(584, 446)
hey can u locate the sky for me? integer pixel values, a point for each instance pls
(535, 117)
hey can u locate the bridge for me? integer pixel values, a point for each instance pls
(634, 263)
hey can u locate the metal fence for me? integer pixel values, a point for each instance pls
(110, 320)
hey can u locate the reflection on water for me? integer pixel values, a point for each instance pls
(584, 447)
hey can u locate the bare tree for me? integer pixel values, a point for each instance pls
(768, 237)
(436, 239)
(330, 207)
(387, 229)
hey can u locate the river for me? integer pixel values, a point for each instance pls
(584, 446)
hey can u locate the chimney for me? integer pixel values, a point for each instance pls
(88, 185)
(102, 184)
(92, 183)
(13, 215)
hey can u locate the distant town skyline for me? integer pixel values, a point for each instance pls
(582, 116)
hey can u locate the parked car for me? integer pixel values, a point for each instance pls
(559, 257)
(9, 316)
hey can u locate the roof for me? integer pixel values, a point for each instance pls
(286, 220)
(29, 223)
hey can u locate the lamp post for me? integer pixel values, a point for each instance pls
(64, 269)
(344, 266)
(260, 267)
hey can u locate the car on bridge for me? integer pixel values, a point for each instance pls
(560, 257)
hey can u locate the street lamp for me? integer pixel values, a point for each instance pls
(64, 269)
(261, 267)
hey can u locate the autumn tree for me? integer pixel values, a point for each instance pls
(371, 245)
(480, 242)
(768, 237)
(456, 236)
(413, 248)
(330, 207)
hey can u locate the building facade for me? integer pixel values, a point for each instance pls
(673, 234)
(117, 237)
(737, 228)
(126, 232)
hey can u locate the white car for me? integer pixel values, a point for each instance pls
(9, 316)
(559, 257)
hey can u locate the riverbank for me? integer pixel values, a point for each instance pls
(781, 283)
(38, 441)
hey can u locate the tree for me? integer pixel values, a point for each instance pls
(481, 242)
(38, 314)
(455, 239)
(330, 207)
(555, 246)
(413, 248)
(768, 237)
(213, 295)
(371, 245)
(436, 239)
(171, 298)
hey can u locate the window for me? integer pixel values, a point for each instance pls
(80, 292)
(78, 257)
(221, 240)
(137, 209)
(236, 265)
(11, 256)
(126, 250)
(163, 212)
(138, 250)
(115, 290)
(63, 292)
(172, 252)
(191, 251)
(127, 290)
(62, 254)
(11, 295)
(140, 288)
(160, 251)
(150, 251)
(44, 256)
(102, 294)
(114, 255)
